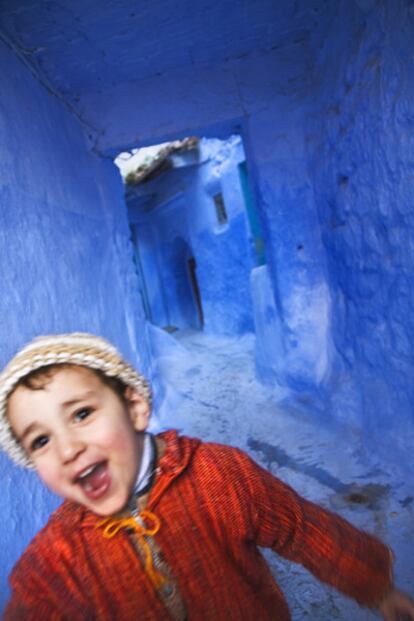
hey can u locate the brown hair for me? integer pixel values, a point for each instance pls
(40, 378)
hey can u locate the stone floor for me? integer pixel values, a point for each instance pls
(213, 394)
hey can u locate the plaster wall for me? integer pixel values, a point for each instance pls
(65, 256)
(300, 351)
(361, 160)
(211, 102)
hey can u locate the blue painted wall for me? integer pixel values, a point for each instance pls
(175, 220)
(360, 155)
(65, 256)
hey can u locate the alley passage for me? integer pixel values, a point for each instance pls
(214, 395)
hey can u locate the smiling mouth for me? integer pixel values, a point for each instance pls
(95, 480)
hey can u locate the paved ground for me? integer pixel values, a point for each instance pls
(213, 394)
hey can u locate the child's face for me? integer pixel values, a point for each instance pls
(82, 437)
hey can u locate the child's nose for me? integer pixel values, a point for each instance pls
(69, 447)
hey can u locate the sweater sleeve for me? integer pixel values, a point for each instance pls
(354, 562)
(22, 607)
(30, 598)
(43, 586)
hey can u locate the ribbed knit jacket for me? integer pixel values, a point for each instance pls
(216, 507)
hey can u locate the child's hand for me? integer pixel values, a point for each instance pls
(397, 606)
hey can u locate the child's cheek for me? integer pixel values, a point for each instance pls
(50, 477)
(122, 440)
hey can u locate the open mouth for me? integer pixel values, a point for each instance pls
(95, 480)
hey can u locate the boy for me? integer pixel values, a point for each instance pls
(157, 528)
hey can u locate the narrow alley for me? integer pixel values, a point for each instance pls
(224, 191)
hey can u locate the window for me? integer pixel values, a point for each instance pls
(221, 212)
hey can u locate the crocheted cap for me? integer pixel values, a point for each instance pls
(80, 349)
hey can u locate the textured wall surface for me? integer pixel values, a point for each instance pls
(360, 149)
(79, 47)
(296, 258)
(65, 256)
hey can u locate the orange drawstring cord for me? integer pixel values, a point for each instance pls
(112, 526)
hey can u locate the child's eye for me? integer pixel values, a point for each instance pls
(39, 443)
(82, 414)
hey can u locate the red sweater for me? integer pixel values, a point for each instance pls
(215, 506)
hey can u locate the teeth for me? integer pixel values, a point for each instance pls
(86, 472)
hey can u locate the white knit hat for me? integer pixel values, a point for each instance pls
(78, 348)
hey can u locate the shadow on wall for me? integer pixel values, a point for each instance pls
(181, 286)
